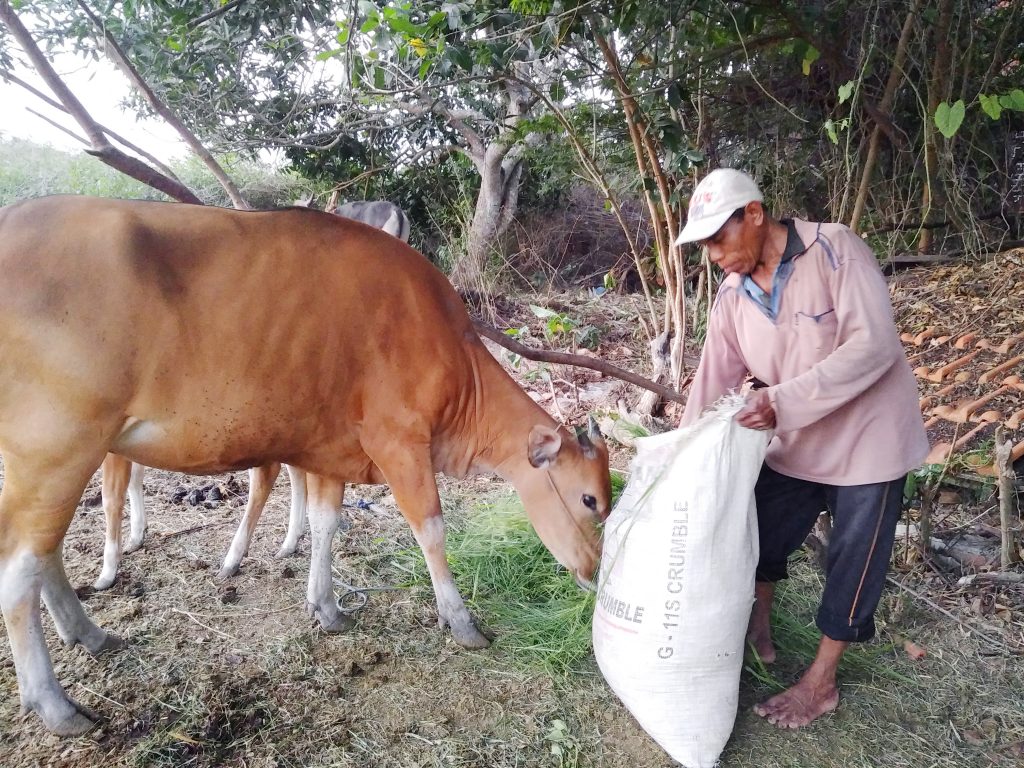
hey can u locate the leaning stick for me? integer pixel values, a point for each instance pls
(1007, 496)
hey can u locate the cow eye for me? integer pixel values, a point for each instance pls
(589, 502)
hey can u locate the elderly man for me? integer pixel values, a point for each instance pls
(805, 311)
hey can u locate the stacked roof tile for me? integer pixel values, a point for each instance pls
(969, 384)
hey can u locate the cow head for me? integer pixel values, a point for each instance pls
(567, 494)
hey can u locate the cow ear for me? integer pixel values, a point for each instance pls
(589, 451)
(544, 445)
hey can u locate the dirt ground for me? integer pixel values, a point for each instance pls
(235, 674)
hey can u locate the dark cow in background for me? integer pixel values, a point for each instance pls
(378, 213)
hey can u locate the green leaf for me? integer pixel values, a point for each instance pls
(542, 311)
(461, 58)
(830, 129)
(673, 95)
(557, 90)
(1013, 100)
(402, 25)
(990, 105)
(948, 118)
(811, 56)
(845, 91)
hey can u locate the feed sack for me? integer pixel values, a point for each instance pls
(676, 582)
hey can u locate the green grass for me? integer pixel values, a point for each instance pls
(515, 587)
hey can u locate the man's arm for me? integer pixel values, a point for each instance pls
(721, 367)
(868, 348)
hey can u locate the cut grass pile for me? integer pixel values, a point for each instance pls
(514, 585)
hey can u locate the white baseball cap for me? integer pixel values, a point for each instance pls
(714, 200)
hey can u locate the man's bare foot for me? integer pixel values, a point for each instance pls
(763, 646)
(800, 705)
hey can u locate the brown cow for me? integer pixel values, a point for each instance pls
(120, 475)
(205, 340)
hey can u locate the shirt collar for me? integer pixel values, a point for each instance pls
(794, 245)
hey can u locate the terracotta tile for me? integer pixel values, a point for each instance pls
(1015, 454)
(999, 370)
(965, 341)
(940, 374)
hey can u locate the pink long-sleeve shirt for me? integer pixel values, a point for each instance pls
(845, 399)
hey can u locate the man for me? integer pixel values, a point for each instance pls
(805, 311)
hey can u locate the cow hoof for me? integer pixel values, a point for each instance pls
(227, 572)
(110, 642)
(342, 623)
(287, 551)
(105, 581)
(468, 636)
(71, 719)
(133, 545)
(336, 624)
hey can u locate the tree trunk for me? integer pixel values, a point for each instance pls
(662, 213)
(932, 188)
(1007, 497)
(496, 205)
(893, 82)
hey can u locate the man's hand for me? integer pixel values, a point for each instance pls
(758, 412)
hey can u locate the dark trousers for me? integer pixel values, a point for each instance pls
(864, 521)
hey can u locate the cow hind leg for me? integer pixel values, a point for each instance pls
(36, 506)
(325, 498)
(411, 477)
(117, 472)
(297, 514)
(261, 483)
(137, 506)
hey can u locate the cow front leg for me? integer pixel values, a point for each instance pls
(297, 514)
(261, 482)
(324, 508)
(410, 474)
(451, 610)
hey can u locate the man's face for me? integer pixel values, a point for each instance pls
(736, 247)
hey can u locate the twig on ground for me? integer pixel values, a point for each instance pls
(204, 626)
(998, 577)
(184, 531)
(995, 643)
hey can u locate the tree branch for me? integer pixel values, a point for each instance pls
(57, 105)
(594, 364)
(101, 147)
(120, 60)
(230, 6)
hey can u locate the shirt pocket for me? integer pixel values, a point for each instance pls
(816, 331)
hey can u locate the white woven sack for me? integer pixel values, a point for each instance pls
(677, 582)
